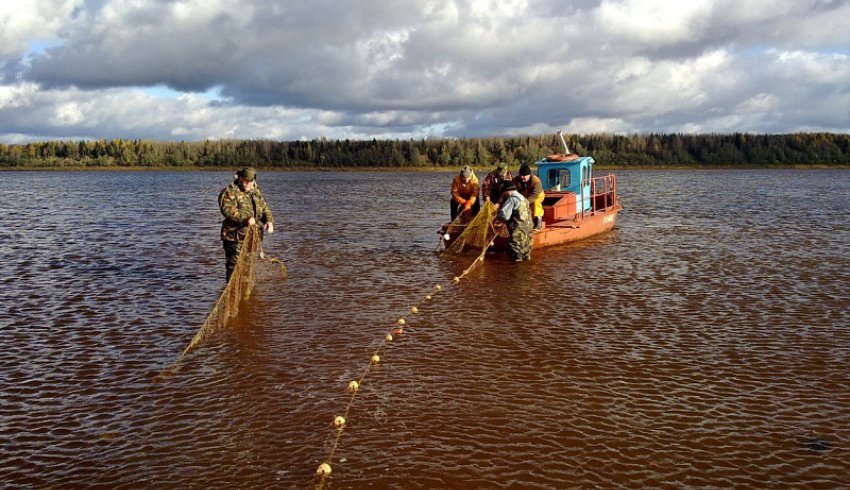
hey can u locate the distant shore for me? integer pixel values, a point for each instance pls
(306, 168)
(610, 151)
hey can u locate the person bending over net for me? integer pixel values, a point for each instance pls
(491, 186)
(464, 193)
(516, 214)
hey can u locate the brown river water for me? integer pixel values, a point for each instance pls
(703, 343)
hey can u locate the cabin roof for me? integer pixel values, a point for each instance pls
(543, 164)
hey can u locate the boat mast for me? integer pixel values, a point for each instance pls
(566, 149)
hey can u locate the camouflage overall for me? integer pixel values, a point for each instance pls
(522, 233)
(237, 207)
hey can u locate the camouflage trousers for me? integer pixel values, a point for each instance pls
(231, 256)
(520, 243)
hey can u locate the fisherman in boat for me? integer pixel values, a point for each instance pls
(531, 187)
(464, 193)
(516, 214)
(242, 204)
(493, 183)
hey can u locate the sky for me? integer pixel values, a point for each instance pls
(191, 70)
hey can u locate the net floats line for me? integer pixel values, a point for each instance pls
(340, 421)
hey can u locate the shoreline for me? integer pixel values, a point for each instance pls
(308, 168)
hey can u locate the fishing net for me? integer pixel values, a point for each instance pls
(239, 287)
(476, 232)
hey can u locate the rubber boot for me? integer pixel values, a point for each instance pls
(538, 223)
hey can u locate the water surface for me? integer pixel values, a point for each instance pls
(704, 342)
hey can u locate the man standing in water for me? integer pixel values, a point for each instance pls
(516, 213)
(242, 204)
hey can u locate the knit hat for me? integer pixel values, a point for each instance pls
(525, 169)
(509, 186)
(247, 173)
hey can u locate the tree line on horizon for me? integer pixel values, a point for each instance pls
(605, 148)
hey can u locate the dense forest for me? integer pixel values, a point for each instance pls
(606, 149)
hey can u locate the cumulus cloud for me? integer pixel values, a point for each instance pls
(414, 68)
(22, 23)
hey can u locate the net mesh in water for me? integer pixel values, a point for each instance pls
(476, 233)
(239, 287)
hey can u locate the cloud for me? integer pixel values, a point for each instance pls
(412, 68)
(21, 25)
(650, 23)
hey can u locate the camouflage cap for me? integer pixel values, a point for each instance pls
(247, 173)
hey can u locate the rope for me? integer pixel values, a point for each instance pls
(339, 422)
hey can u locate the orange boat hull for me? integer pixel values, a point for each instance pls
(562, 231)
(565, 231)
(571, 230)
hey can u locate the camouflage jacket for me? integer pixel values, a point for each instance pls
(237, 207)
(515, 212)
(492, 185)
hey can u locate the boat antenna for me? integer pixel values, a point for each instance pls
(566, 149)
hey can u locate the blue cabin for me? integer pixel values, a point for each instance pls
(572, 176)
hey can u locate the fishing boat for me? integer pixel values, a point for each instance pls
(577, 205)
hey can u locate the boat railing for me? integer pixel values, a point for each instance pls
(603, 194)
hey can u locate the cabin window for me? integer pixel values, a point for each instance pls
(559, 177)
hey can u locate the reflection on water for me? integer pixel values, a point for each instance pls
(702, 343)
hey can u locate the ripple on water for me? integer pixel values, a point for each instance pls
(689, 347)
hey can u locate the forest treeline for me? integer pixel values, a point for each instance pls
(606, 149)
